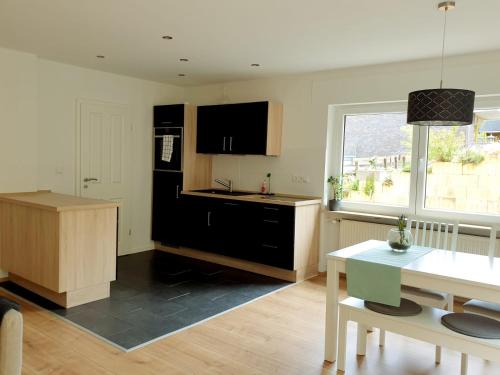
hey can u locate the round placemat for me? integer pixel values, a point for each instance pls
(472, 325)
(406, 308)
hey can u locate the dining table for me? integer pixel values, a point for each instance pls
(457, 273)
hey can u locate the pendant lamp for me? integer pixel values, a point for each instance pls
(442, 106)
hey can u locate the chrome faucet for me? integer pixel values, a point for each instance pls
(228, 184)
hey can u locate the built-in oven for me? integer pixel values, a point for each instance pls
(168, 148)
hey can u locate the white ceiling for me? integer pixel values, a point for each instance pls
(223, 37)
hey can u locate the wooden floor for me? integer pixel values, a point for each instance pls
(279, 334)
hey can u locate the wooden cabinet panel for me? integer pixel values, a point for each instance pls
(30, 244)
(85, 239)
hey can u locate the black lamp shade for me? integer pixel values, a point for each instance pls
(441, 107)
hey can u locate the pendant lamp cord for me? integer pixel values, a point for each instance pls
(442, 48)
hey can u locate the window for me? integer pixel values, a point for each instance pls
(377, 158)
(390, 167)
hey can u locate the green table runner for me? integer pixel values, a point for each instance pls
(375, 274)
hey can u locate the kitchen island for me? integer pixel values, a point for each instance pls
(59, 246)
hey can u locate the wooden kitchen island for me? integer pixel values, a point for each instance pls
(59, 246)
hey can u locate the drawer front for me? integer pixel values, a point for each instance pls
(275, 236)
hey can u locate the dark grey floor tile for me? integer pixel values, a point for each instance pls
(132, 337)
(157, 293)
(103, 325)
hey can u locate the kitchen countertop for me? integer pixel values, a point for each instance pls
(280, 199)
(55, 202)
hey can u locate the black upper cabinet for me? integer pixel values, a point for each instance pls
(166, 210)
(243, 128)
(210, 129)
(168, 115)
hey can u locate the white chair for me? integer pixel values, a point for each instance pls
(474, 306)
(434, 234)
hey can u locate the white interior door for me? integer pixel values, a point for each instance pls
(104, 136)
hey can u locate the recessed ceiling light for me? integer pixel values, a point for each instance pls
(100, 56)
(167, 37)
(254, 64)
(181, 75)
(184, 60)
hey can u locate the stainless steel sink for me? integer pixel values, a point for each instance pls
(223, 192)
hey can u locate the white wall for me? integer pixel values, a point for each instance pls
(306, 101)
(60, 86)
(38, 121)
(18, 121)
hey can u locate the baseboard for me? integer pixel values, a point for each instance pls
(245, 265)
(137, 249)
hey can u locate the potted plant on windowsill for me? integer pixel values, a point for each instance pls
(336, 192)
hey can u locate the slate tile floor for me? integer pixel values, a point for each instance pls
(158, 293)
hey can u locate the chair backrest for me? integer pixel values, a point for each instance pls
(434, 233)
(493, 240)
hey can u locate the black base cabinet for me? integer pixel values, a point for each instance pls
(167, 187)
(245, 230)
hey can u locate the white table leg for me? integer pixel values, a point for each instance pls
(331, 321)
(361, 343)
(342, 340)
(381, 337)
(463, 364)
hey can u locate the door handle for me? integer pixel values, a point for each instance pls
(208, 218)
(177, 192)
(224, 144)
(88, 179)
(230, 143)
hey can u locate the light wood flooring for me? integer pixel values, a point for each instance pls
(279, 334)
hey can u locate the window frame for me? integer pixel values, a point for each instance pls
(418, 174)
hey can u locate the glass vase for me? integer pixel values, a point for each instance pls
(399, 240)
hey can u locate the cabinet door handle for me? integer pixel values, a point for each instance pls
(166, 122)
(230, 143)
(231, 204)
(271, 221)
(269, 246)
(208, 218)
(271, 208)
(177, 192)
(224, 144)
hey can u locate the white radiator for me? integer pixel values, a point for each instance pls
(353, 232)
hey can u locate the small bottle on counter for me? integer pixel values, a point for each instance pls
(263, 187)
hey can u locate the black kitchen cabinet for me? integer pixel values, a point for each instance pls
(168, 115)
(234, 228)
(274, 231)
(210, 136)
(166, 209)
(246, 230)
(242, 128)
(198, 220)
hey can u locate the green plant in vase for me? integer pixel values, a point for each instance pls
(400, 238)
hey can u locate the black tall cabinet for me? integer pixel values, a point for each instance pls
(167, 176)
